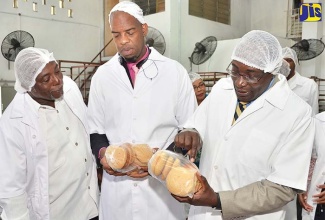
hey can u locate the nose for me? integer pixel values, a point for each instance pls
(58, 79)
(124, 39)
(240, 81)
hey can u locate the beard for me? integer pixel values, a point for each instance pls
(130, 59)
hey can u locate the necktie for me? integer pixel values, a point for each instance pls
(241, 106)
(134, 74)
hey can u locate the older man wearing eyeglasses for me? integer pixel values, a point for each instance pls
(257, 138)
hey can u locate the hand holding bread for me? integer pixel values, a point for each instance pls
(128, 159)
(205, 196)
(175, 171)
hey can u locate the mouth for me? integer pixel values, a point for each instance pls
(126, 51)
(241, 93)
(57, 93)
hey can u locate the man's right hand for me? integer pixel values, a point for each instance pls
(190, 140)
(107, 168)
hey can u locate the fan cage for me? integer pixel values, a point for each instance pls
(203, 50)
(156, 40)
(14, 42)
(308, 49)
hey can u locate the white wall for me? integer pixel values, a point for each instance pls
(79, 38)
(182, 31)
(270, 15)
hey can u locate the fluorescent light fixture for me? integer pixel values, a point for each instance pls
(43, 2)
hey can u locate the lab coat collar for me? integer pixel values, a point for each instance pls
(114, 65)
(26, 108)
(276, 95)
(295, 81)
(321, 116)
(279, 93)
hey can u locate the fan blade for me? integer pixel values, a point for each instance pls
(156, 40)
(14, 42)
(308, 49)
(203, 50)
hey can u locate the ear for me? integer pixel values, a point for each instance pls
(145, 29)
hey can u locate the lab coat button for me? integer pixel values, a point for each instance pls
(87, 174)
(135, 184)
(88, 187)
(215, 167)
(34, 136)
(76, 144)
(85, 160)
(226, 139)
(67, 128)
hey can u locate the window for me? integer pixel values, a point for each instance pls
(214, 10)
(151, 6)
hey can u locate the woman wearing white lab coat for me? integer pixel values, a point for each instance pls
(318, 177)
(24, 155)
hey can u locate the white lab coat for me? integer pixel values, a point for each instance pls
(23, 153)
(150, 113)
(318, 177)
(305, 88)
(269, 140)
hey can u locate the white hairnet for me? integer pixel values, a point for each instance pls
(259, 49)
(194, 76)
(130, 8)
(287, 52)
(28, 64)
(285, 68)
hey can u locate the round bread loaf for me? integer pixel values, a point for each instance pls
(159, 163)
(130, 155)
(181, 181)
(116, 157)
(143, 153)
(167, 168)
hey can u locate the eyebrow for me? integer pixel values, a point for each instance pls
(248, 70)
(116, 32)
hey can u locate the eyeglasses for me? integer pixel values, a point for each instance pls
(200, 86)
(247, 78)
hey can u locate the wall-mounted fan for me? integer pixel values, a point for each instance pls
(308, 49)
(14, 42)
(156, 40)
(203, 50)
